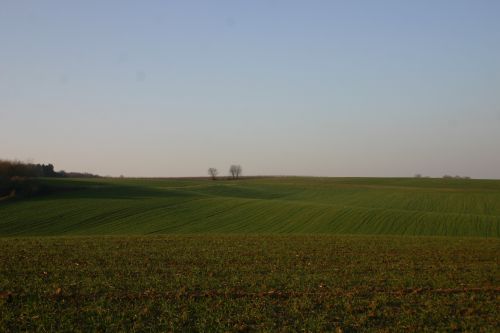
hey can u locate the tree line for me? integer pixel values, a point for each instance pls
(19, 169)
(20, 179)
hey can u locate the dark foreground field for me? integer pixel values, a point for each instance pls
(256, 283)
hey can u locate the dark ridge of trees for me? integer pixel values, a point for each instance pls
(78, 175)
(455, 177)
(19, 169)
(18, 179)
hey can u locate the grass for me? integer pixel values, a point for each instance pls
(293, 205)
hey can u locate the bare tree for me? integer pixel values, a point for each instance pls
(213, 173)
(235, 171)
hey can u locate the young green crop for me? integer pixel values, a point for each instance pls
(249, 283)
(446, 207)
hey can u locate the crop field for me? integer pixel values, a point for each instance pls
(249, 283)
(263, 254)
(292, 205)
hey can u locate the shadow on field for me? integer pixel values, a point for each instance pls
(110, 189)
(74, 189)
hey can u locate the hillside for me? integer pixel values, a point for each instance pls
(392, 206)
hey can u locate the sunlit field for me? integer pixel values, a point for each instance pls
(433, 207)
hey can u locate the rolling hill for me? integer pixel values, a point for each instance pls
(390, 206)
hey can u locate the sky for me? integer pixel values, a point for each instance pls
(318, 88)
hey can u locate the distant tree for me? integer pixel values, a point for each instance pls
(48, 170)
(235, 171)
(418, 175)
(213, 173)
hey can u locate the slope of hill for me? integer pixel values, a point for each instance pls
(392, 206)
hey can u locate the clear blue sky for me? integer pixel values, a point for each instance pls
(323, 88)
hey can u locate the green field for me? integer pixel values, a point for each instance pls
(263, 254)
(444, 207)
(249, 283)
